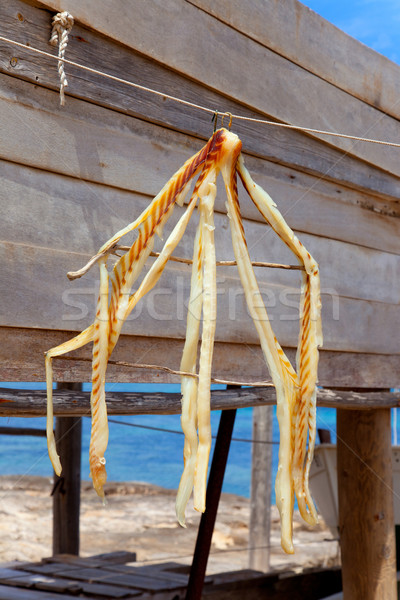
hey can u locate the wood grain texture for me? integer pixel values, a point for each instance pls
(266, 81)
(260, 490)
(79, 218)
(88, 156)
(366, 521)
(308, 40)
(12, 593)
(22, 359)
(37, 294)
(26, 403)
(80, 215)
(286, 147)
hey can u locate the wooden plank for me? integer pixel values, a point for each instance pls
(67, 487)
(94, 138)
(137, 582)
(33, 403)
(172, 571)
(366, 505)
(36, 275)
(43, 582)
(70, 561)
(318, 206)
(179, 49)
(99, 590)
(7, 574)
(260, 490)
(22, 350)
(12, 593)
(103, 590)
(347, 272)
(308, 40)
(46, 568)
(158, 572)
(347, 269)
(30, 431)
(82, 216)
(118, 557)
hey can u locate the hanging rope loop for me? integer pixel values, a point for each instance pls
(62, 24)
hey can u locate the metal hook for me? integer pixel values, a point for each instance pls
(227, 114)
(214, 120)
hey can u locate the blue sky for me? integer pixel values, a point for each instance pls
(376, 23)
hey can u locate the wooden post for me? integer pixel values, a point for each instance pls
(366, 521)
(67, 488)
(260, 496)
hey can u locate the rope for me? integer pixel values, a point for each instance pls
(122, 363)
(222, 263)
(61, 26)
(212, 111)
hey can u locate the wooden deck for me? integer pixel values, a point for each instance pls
(108, 576)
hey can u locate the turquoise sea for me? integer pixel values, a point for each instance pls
(141, 454)
(149, 455)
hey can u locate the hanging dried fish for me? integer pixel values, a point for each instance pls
(295, 391)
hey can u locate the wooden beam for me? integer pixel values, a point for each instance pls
(67, 403)
(67, 487)
(36, 277)
(30, 431)
(260, 495)
(323, 209)
(22, 359)
(366, 521)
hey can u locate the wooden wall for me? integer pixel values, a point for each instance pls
(72, 176)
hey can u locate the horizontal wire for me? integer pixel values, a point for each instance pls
(191, 104)
(165, 430)
(122, 363)
(222, 263)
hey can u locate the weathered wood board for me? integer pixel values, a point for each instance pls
(245, 70)
(306, 39)
(287, 147)
(22, 359)
(71, 177)
(74, 403)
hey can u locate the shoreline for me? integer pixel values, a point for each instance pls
(140, 517)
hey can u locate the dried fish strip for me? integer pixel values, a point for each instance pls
(310, 338)
(296, 392)
(125, 272)
(207, 195)
(77, 342)
(282, 373)
(189, 385)
(99, 432)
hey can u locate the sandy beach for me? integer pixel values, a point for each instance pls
(140, 518)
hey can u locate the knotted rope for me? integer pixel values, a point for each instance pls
(61, 26)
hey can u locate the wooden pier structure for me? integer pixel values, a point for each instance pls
(71, 176)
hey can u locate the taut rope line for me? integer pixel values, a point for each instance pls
(197, 106)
